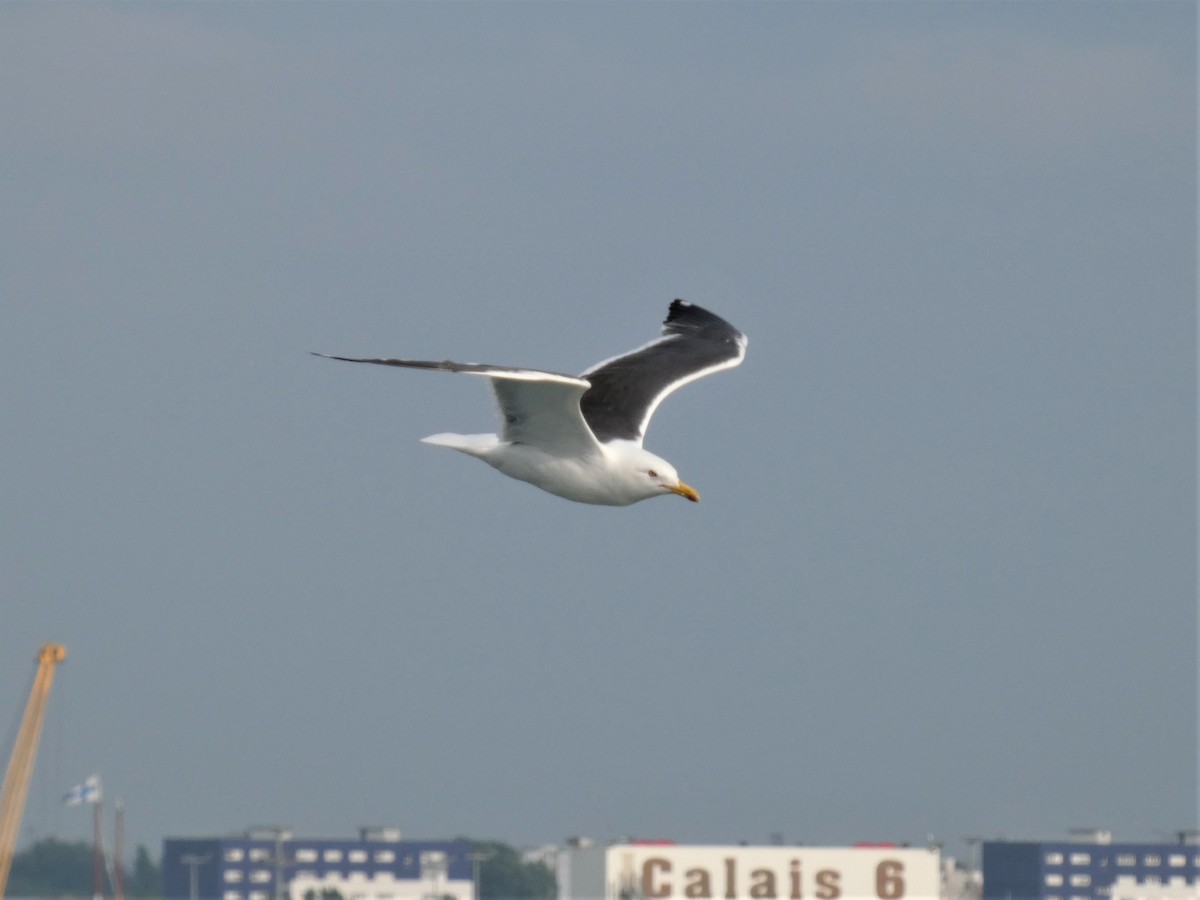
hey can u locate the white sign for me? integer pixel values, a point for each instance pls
(657, 871)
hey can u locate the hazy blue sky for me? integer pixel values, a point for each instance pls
(943, 578)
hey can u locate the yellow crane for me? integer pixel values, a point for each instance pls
(20, 765)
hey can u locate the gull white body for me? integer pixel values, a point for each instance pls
(605, 478)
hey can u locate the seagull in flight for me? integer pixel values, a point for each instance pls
(580, 436)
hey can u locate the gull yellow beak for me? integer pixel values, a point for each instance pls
(685, 490)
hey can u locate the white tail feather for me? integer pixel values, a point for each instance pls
(479, 445)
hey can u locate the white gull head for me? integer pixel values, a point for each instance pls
(635, 473)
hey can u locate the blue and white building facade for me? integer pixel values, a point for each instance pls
(269, 865)
(1096, 870)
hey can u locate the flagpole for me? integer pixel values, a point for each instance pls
(97, 852)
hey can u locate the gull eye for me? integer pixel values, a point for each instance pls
(652, 474)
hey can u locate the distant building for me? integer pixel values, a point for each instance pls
(647, 870)
(1095, 869)
(266, 864)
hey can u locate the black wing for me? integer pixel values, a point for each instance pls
(627, 389)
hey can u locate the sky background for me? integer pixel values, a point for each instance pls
(943, 578)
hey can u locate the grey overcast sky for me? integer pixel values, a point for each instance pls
(943, 578)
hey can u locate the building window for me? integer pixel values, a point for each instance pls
(260, 876)
(385, 856)
(1177, 859)
(234, 854)
(1054, 859)
(1152, 859)
(333, 856)
(1080, 880)
(358, 856)
(1126, 859)
(1054, 879)
(307, 855)
(232, 895)
(1081, 859)
(233, 875)
(258, 895)
(259, 854)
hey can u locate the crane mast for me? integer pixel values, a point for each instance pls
(24, 754)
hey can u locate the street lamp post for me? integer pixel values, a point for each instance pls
(476, 857)
(973, 842)
(280, 861)
(194, 861)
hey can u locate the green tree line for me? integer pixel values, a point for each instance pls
(54, 868)
(504, 875)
